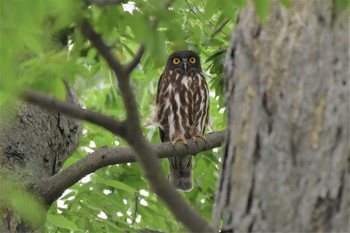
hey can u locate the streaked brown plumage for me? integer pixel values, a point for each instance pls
(182, 110)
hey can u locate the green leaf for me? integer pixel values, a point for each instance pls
(33, 43)
(23, 203)
(344, 3)
(60, 89)
(340, 6)
(211, 7)
(118, 185)
(286, 3)
(262, 8)
(227, 8)
(241, 3)
(61, 222)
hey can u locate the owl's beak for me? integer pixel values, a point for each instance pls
(185, 64)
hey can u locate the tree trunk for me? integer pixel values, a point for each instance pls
(286, 161)
(34, 145)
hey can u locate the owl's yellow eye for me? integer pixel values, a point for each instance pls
(192, 60)
(176, 61)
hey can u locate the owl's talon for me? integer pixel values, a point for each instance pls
(199, 136)
(183, 140)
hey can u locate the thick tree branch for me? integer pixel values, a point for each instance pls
(52, 104)
(52, 188)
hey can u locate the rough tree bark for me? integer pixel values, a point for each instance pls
(286, 163)
(33, 146)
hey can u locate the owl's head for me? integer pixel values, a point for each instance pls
(185, 60)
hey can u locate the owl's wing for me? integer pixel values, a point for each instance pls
(160, 85)
(207, 107)
(160, 89)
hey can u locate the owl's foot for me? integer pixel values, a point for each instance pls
(201, 136)
(182, 139)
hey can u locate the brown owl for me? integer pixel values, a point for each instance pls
(182, 110)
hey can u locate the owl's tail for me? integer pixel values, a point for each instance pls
(181, 173)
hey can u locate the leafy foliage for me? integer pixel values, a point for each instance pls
(17, 198)
(41, 45)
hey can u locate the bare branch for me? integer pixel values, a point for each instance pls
(52, 104)
(52, 188)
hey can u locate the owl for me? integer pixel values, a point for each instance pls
(182, 110)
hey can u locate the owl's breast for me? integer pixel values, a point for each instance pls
(186, 83)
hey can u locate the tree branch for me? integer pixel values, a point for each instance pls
(52, 104)
(52, 188)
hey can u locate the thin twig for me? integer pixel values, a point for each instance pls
(195, 13)
(136, 199)
(219, 28)
(209, 22)
(131, 65)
